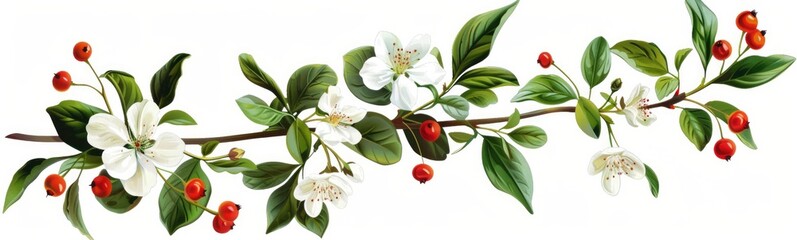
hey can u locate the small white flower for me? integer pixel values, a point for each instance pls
(403, 67)
(636, 108)
(358, 175)
(318, 189)
(129, 157)
(336, 126)
(614, 162)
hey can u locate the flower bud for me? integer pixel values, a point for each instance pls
(617, 84)
(236, 153)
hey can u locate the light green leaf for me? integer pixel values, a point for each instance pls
(307, 85)
(177, 117)
(437, 150)
(665, 85)
(612, 103)
(299, 140)
(254, 74)
(232, 166)
(282, 205)
(72, 209)
(480, 97)
(317, 225)
(546, 89)
(208, 147)
(696, 125)
(680, 56)
(258, 111)
(507, 170)
(126, 87)
(529, 136)
(175, 211)
(643, 56)
(754, 71)
(596, 62)
(475, 40)
(460, 137)
(119, 201)
(455, 106)
(588, 117)
(704, 29)
(70, 119)
(352, 63)
(164, 83)
(25, 176)
(487, 78)
(267, 175)
(513, 120)
(380, 142)
(436, 53)
(653, 181)
(723, 110)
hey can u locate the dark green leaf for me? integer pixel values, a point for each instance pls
(704, 29)
(653, 181)
(596, 62)
(475, 40)
(529, 136)
(643, 56)
(258, 111)
(513, 120)
(507, 170)
(680, 56)
(70, 119)
(232, 166)
(208, 147)
(90, 160)
(546, 89)
(307, 85)
(480, 98)
(754, 71)
(267, 175)
(72, 209)
(255, 75)
(352, 63)
(456, 107)
(119, 201)
(436, 53)
(125, 86)
(25, 176)
(177, 117)
(665, 85)
(380, 142)
(460, 137)
(299, 140)
(696, 125)
(317, 225)
(487, 77)
(723, 110)
(164, 83)
(175, 211)
(282, 205)
(437, 150)
(588, 118)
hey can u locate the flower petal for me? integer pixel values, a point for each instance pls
(405, 93)
(353, 114)
(143, 117)
(630, 115)
(167, 150)
(646, 120)
(376, 74)
(386, 46)
(427, 71)
(340, 183)
(304, 190)
(120, 162)
(611, 182)
(636, 167)
(418, 47)
(597, 163)
(329, 99)
(340, 200)
(142, 182)
(313, 206)
(328, 134)
(106, 131)
(636, 94)
(357, 172)
(349, 134)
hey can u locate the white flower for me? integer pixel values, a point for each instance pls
(636, 108)
(129, 157)
(614, 162)
(403, 67)
(317, 189)
(336, 127)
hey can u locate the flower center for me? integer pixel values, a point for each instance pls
(143, 144)
(336, 117)
(643, 106)
(324, 191)
(619, 165)
(400, 59)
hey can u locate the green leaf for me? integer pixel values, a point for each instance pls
(507, 170)
(696, 125)
(209, 146)
(307, 85)
(119, 201)
(529, 136)
(87, 160)
(177, 117)
(546, 89)
(258, 111)
(125, 86)
(352, 63)
(437, 150)
(680, 56)
(298, 140)
(282, 205)
(704, 29)
(665, 85)
(267, 175)
(380, 142)
(513, 120)
(475, 40)
(456, 107)
(480, 97)
(754, 71)
(25, 176)
(643, 56)
(596, 62)
(72, 209)
(232, 166)
(70, 119)
(317, 225)
(612, 103)
(487, 77)
(175, 211)
(436, 53)
(588, 118)
(460, 137)
(164, 83)
(255, 75)
(653, 181)
(723, 110)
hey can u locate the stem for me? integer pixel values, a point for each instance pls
(86, 85)
(181, 194)
(568, 78)
(607, 100)
(741, 38)
(722, 68)
(204, 158)
(172, 173)
(104, 97)
(719, 125)
(420, 151)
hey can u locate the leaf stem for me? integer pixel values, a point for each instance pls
(86, 85)
(568, 78)
(204, 158)
(417, 143)
(182, 193)
(104, 96)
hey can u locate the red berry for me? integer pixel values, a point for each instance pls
(62, 81)
(755, 39)
(222, 226)
(747, 21)
(423, 172)
(194, 189)
(54, 185)
(721, 50)
(430, 130)
(228, 211)
(101, 186)
(82, 51)
(724, 149)
(545, 60)
(738, 121)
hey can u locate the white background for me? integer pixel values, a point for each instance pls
(751, 196)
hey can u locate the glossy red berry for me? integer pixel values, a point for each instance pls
(738, 121)
(101, 186)
(62, 81)
(221, 225)
(54, 185)
(755, 39)
(228, 211)
(423, 172)
(724, 149)
(430, 130)
(747, 21)
(194, 189)
(545, 60)
(82, 51)
(721, 50)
